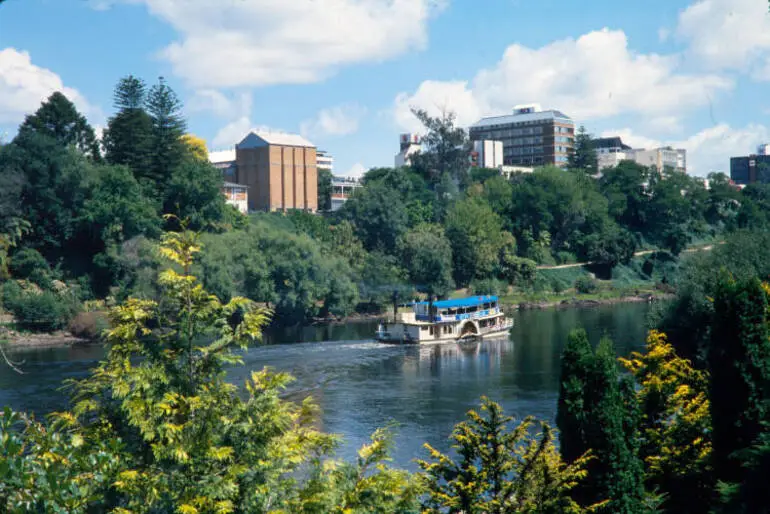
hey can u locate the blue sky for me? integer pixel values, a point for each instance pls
(693, 74)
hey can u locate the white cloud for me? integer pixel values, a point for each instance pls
(234, 132)
(23, 86)
(341, 120)
(594, 76)
(731, 34)
(220, 104)
(234, 43)
(436, 97)
(708, 150)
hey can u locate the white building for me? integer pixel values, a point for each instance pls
(324, 161)
(610, 151)
(236, 195)
(763, 149)
(342, 188)
(410, 145)
(489, 154)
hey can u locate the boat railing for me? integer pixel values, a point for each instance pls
(438, 318)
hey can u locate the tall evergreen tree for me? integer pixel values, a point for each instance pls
(168, 127)
(446, 148)
(583, 158)
(59, 119)
(739, 362)
(129, 134)
(593, 414)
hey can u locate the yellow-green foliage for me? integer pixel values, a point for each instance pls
(676, 423)
(499, 471)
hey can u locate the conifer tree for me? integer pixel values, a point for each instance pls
(168, 127)
(594, 415)
(582, 157)
(128, 137)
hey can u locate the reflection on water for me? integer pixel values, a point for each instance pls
(361, 385)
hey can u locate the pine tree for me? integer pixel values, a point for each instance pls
(168, 127)
(739, 364)
(59, 119)
(582, 157)
(599, 420)
(129, 134)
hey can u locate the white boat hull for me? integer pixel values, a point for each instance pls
(503, 330)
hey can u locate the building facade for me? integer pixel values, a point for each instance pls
(750, 169)
(280, 171)
(487, 154)
(530, 136)
(410, 144)
(610, 151)
(324, 161)
(342, 188)
(236, 195)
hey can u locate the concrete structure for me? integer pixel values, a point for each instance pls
(530, 136)
(750, 169)
(342, 188)
(237, 196)
(410, 144)
(280, 171)
(487, 154)
(610, 151)
(324, 161)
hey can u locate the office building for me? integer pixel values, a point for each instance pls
(324, 161)
(610, 151)
(342, 188)
(750, 169)
(530, 136)
(410, 144)
(487, 154)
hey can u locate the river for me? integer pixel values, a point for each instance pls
(361, 385)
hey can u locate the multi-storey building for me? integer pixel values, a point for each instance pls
(342, 188)
(324, 161)
(751, 168)
(530, 136)
(611, 150)
(409, 145)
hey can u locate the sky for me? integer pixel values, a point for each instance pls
(344, 73)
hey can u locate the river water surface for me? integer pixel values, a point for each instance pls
(361, 385)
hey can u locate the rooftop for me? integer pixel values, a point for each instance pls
(220, 156)
(260, 138)
(457, 303)
(521, 118)
(233, 185)
(610, 142)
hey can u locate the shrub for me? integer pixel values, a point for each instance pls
(585, 285)
(488, 286)
(29, 264)
(39, 312)
(89, 325)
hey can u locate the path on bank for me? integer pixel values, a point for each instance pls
(636, 254)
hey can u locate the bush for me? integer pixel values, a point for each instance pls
(585, 285)
(29, 264)
(563, 257)
(89, 325)
(38, 312)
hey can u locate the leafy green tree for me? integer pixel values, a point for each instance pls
(58, 119)
(739, 365)
(427, 253)
(675, 426)
(498, 192)
(475, 232)
(624, 188)
(381, 276)
(609, 247)
(596, 412)
(168, 127)
(446, 148)
(378, 214)
(723, 202)
(324, 189)
(128, 138)
(194, 192)
(582, 157)
(497, 470)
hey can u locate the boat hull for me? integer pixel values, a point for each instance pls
(493, 334)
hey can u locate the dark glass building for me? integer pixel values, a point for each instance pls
(750, 169)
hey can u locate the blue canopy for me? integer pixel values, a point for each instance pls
(458, 303)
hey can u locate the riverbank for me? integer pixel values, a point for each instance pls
(577, 302)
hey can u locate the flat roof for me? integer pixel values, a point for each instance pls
(222, 156)
(468, 301)
(521, 118)
(234, 185)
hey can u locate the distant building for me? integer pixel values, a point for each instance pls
(237, 195)
(750, 169)
(279, 171)
(530, 136)
(324, 161)
(342, 188)
(509, 171)
(610, 151)
(410, 144)
(487, 154)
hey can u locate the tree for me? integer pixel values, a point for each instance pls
(446, 148)
(475, 232)
(196, 147)
(128, 138)
(675, 426)
(582, 157)
(609, 247)
(624, 188)
(378, 214)
(168, 127)
(324, 189)
(497, 470)
(428, 257)
(596, 412)
(58, 119)
(739, 365)
(194, 192)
